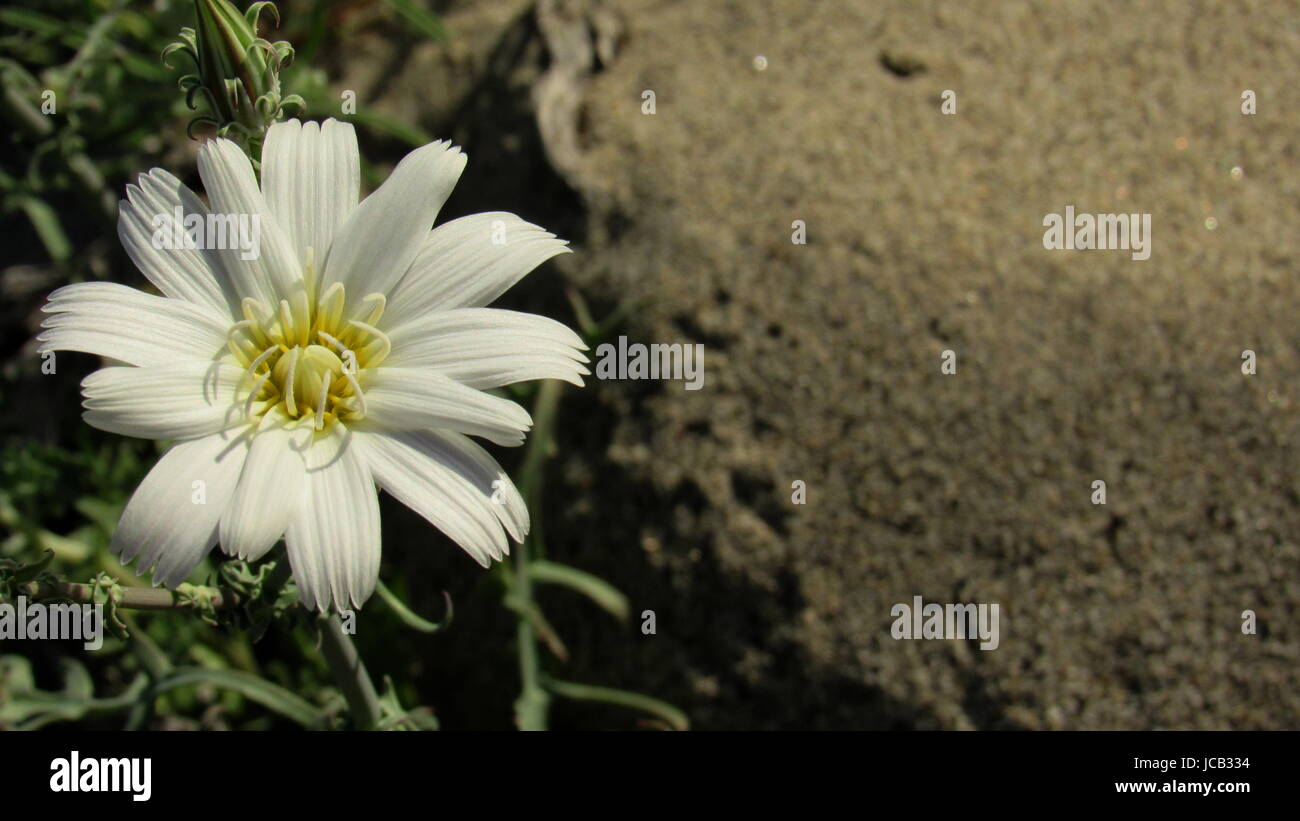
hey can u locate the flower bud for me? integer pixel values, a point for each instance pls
(238, 71)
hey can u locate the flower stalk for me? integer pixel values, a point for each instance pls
(533, 703)
(134, 598)
(350, 674)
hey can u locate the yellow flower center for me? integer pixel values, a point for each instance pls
(305, 357)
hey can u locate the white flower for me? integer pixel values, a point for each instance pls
(352, 351)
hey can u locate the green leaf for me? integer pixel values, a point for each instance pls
(616, 318)
(77, 683)
(408, 617)
(32, 21)
(48, 228)
(30, 571)
(25, 707)
(604, 594)
(424, 22)
(68, 550)
(105, 514)
(675, 718)
(271, 696)
(391, 126)
(397, 717)
(586, 323)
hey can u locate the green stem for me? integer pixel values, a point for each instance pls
(531, 706)
(350, 674)
(135, 598)
(544, 410)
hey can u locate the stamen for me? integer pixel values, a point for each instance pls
(250, 308)
(288, 383)
(256, 316)
(385, 344)
(320, 405)
(356, 391)
(310, 329)
(380, 301)
(241, 354)
(331, 306)
(242, 349)
(252, 368)
(303, 311)
(286, 322)
(241, 325)
(342, 349)
(248, 402)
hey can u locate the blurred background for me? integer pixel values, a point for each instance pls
(822, 360)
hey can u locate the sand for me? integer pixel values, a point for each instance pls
(822, 360)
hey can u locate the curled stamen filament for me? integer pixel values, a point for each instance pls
(253, 366)
(380, 302)
(356, 391)
(243, 346)
(257, 388)
(380, 338)
(342, 349)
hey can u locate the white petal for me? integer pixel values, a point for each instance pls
(274, 272)
(122, 323)
(149, 213)
(470, 460)
(452, 483)
(402, 399)
(271, 489)
(464, 264)
(488, 347)
(311, 176)
(334, 541)
(381, 238)
(171, 520)
(179, 400)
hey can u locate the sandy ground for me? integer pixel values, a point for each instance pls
(822, 360)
